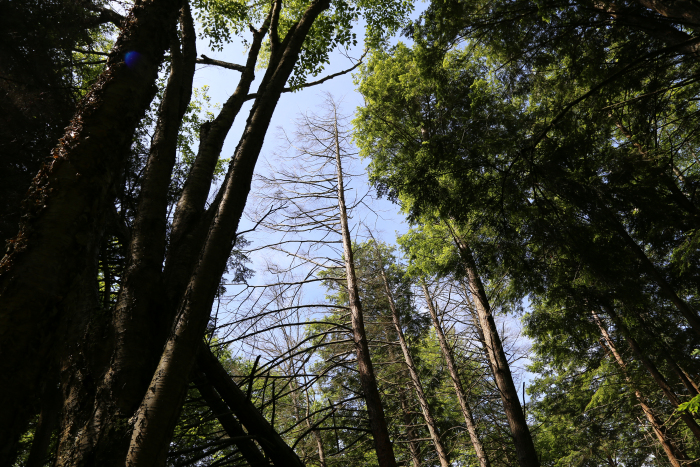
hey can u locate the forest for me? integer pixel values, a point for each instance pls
(476, 244)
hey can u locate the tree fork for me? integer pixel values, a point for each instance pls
(157, 415)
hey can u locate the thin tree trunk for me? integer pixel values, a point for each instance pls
(413, 373)
(672, 452)
(244, 410)
(189, 222)
(524, 446)
(410, 435)
(221, 411)
(654, 372)
(66, 206)
(406, 414)
(368, 382)
(309, 424)
(459, 390)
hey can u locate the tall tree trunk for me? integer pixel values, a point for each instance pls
(457, 383)
(368, 382)
(157, 414)
(675, 456)
(67, 205)
(250, 417)
(139, 315)
(415, 379)
(524, 446)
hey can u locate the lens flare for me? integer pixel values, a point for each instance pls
(132, 58)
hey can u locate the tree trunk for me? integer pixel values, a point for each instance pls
(140, 313)
(524, 447)
(672, 452)
(415, 379)
(368, 382)
(157, 415)
(654, 372)
(67, 202)
(459, 390)
(221, 411)
(236, 400)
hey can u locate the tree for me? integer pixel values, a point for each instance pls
(131, 378)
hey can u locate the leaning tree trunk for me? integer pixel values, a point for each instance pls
(158, 412)
(250, 417)
(415, 379)
(368, 382)
(100, 430)
(67, 205)
(675, 456)
(456, 382)
(233, 429)
(654, 372)
(524, 446)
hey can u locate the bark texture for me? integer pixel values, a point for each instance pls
(67, 202)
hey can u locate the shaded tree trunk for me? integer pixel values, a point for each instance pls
(244, 410)
(66, 206)
(221, 411)
(140, 310)
(157, 415)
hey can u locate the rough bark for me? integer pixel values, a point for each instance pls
(139, 317)
(244, 410)
(524, 446)
(415, 379)
(456, 382)
(67, 202)
(368, 382)
(158, 412)
(675, 456)
(221, 411)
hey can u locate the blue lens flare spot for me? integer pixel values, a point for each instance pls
(132, 58)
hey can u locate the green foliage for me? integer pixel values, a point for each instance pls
(223, 20)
